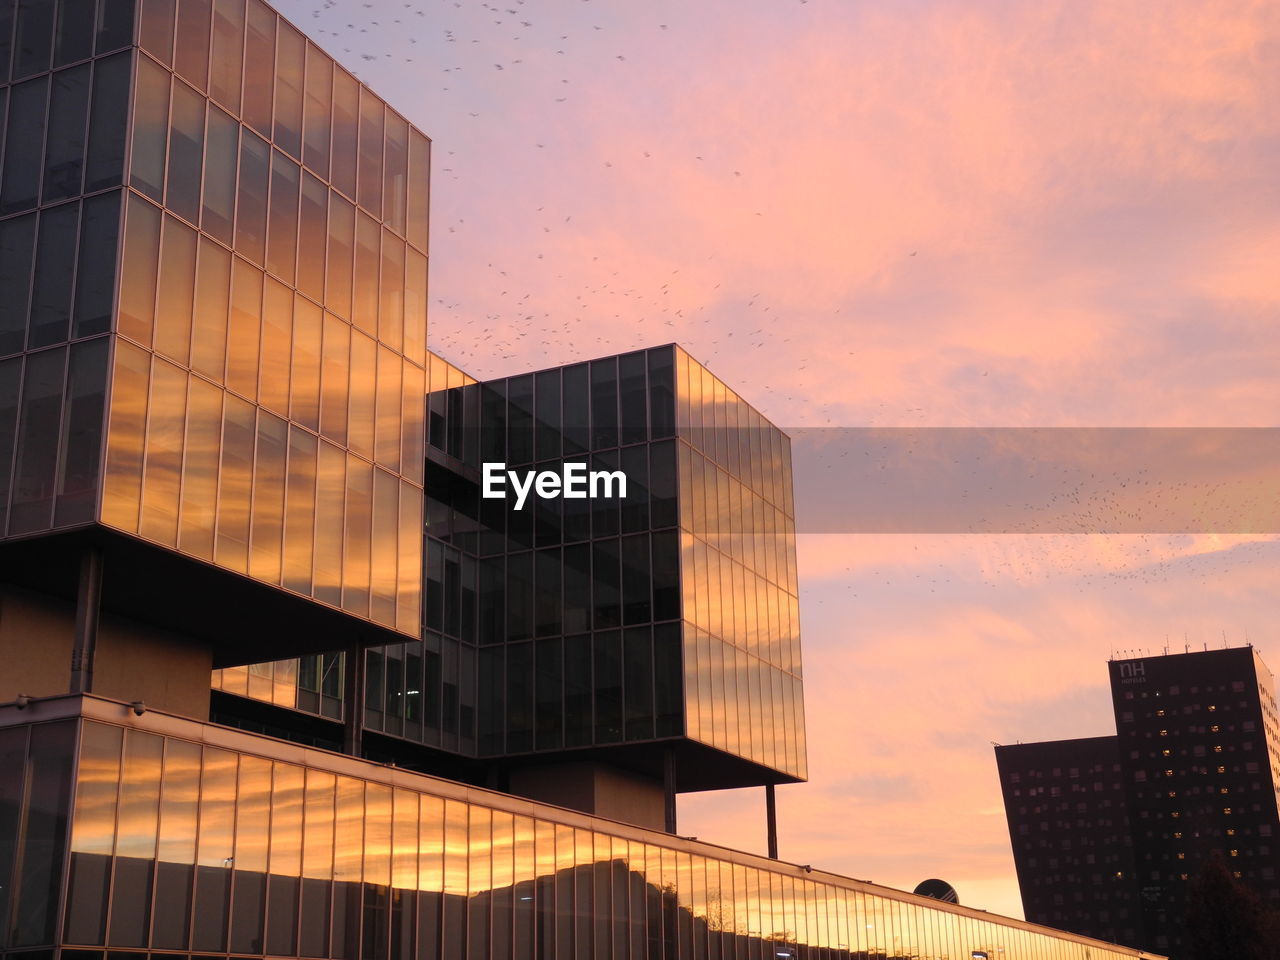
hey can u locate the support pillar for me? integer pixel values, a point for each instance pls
(771, 820)
(353, 701)
(88, 606)
(669, 788)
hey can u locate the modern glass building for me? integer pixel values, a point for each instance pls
(439, 725)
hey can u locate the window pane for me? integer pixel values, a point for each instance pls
(82, 432)
(245, 330)
(20, 188)
(73, 35)
(419, 188)
(342, 227)
(17, 250)
(232, 548)
(156, 33)
(165, 421)
(176, 295)
(64, 148)
(95, 274)
(333, 379)
(371, 143)
(364, 308)
(391, 314)
(387, 437)
(277, 334)
(191, 53)
(331, 474)
(51, 289)
(259, 65)
(311, 237)
(268, 499)
(318, 104)
(220, 175)
(122, 483)
(150, 128)
(200, 469)
(34, 38)
(228, 49)
(360, 422)
(290, 58)
(300, 511)
(282, 242)
(304, 383)
(346, 112)
(209, 337)
(251, 205)
(186, 150)
(395, 173)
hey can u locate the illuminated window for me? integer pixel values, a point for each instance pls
(1217, 749)
(1159, 713)
(1165, 753)
(1168, 773)
(1177, 835)
(1227, 811)
(1173, 793)
(1214, 728)
(1212, 708)
(1164, 733)
(1222, 769)
(1235, 853)
(1224, 790)
(1182, 856)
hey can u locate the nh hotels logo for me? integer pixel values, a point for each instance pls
(1133, 672)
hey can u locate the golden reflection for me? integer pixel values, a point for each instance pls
(277, 342)
(377, 834)
(163, 457)
(364, 370)
(503, 850)
(455, 848)
(387, 435)
(175, 294)
(430, 843)
(480, 849)
(404, 840)
(231, 548)
(267, 543)
(122, 481)
(200, 469)
(304, 375)
(179, 802)
(333, 379)
(97, 783)
(409, 568)
(318, 825)
(286, 819)
(331, 470)
(415, 307)
(212, 304)
(139, 796)
(356, 541)
(300, 505)
(253, 811)
(245, 330)
(385, 543)
(348, 860)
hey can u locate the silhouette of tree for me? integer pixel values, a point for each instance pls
(1228, 921)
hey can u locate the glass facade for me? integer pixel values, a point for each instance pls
(64, 96)
(262, 395)
(187, 839)
(668, 613)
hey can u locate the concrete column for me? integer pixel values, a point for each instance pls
(353, 701)
(88, 605)
(771, 820)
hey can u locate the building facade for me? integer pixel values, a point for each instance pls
(226, 452)
(1190, 774)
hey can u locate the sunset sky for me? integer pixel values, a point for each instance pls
(905, 213)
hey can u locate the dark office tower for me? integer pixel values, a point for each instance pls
(1071, 840)
(1197, 749)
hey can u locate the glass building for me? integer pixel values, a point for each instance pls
(439, 726)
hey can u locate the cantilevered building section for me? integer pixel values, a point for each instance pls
(215, 408)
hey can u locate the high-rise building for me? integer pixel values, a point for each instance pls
(215, 402)
(1109, 832)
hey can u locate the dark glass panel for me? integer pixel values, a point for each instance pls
(33, 37)
(176, 295)
(419, 188)
(604, 403)
(346, 118)
(191, 52)
(290, 62)
(73, 35)
(51, 289)
(395, 173)
(605, 584)
(251, 199)
(666, 575)
(634, 507)
(17, 251)
(150, 129)
(547, 407)
(668, 680)
(662, 392)
(227, 59)
(115, 24)
(64, 146)
(10, 383)
(156, 33)
(605, 513)
(520, 698)
(186, 150)
(633, 397)
(220, 148)
(520, 420)
(547, 607)
(636, 598)
(282, 237)
(171, 923)
(13, 755)
(43, 832)
(6, 57)
(24, 153)
(259, 65)
(548, 696)
(105, 164)
(519, 596)
(316, 122)
(213, 894)
(608, 686)
(577, 690)
(663, 503)
(82, 432)
(372, 126)
(638, 683)
(311, 237)
(37, 453)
